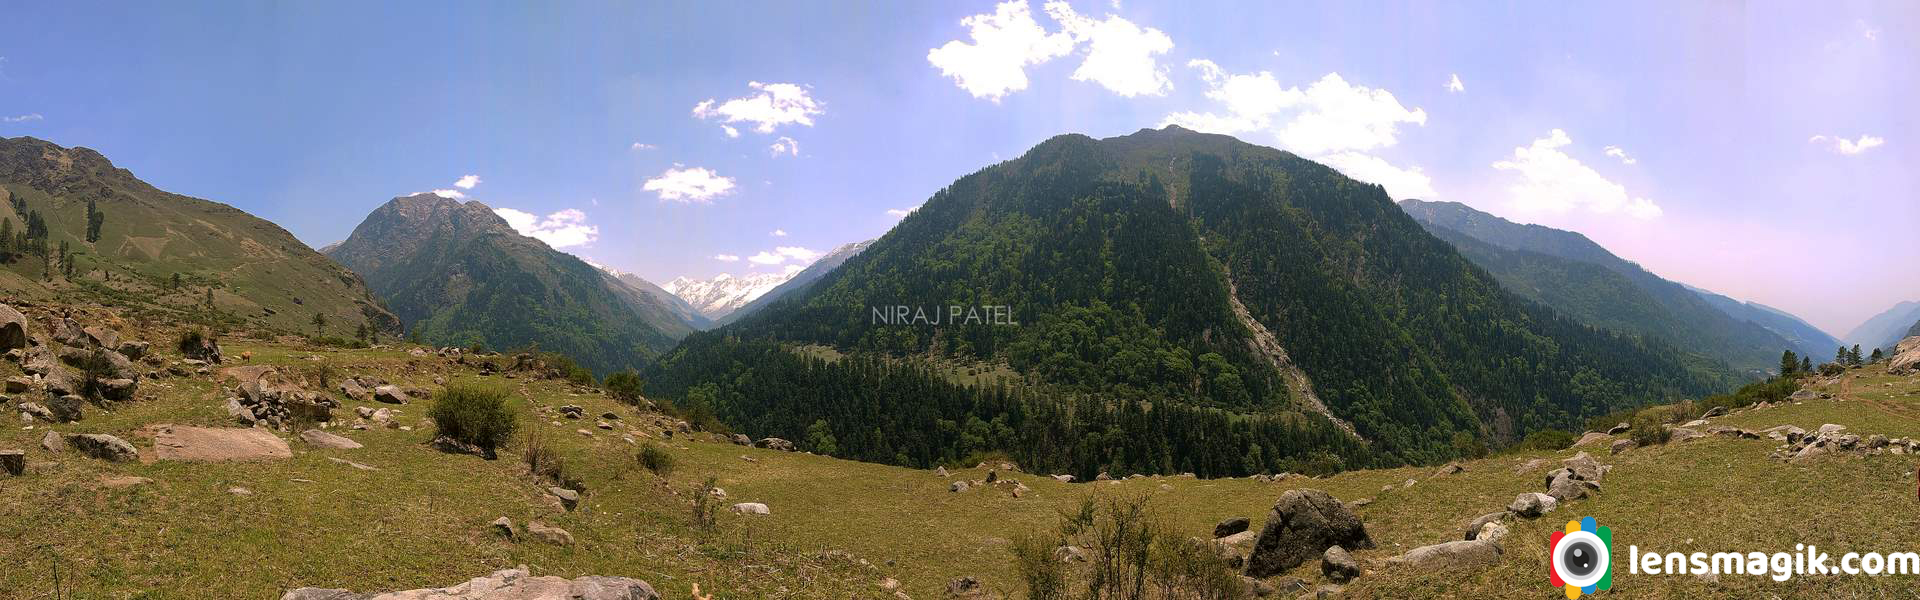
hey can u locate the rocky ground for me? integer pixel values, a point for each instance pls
(311, 472)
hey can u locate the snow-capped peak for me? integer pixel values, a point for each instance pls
(724, 293)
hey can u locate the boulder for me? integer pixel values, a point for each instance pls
(322, 439)
(1717, 411)
(13, 328)
(1622, 446)
(390, 394)
(135, 350)
(1682, 434)
(1229, 527)
(750, 508)
(1064, 478)
(1474, 526)
(53, 442)
(1533, 504)
(351, 388)
(549, 534)
(502, 526)
(14, 462)
(741, 439)
(1567, 488)
(36, 411)
(216, 444)
(1303, 524)
(1830, 428)
(1592, 437)
(65, 409)
(1464, 555)
(118, 390)
(958, 486)
(568, 498)
(1492, 532)
(774, 443)
(1449, 469)
(1584, 467)
(102, 446)
(1619, 429)
(510, 584)
(965, 587)
(19, 385)
(1339, 566)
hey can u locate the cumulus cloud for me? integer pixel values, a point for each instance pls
(797, 253)
(1121, 56)
(778, 233)
(901, 212)
(1400, 183)
(791, 269)
(22, 118)
(767, 258)
(689, 184)
(1551, 182)
(783, 254)
(453, 194)
(1846, 146)
(467, 182)
(784, 145)
(726, 258)
(642, 146)
(1454, 85)
(563, 229)
(1617, 152)
(774, 105)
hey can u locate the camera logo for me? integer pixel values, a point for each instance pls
(1581, 558)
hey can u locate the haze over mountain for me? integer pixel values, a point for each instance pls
(457, 274)
(1885, 329)
(1257, 300)
(251, 270)
(1572, 274)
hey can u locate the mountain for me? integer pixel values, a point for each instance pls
(718, 297)
(825, 264)
(1807, 339)
(163, 253)
(653, 293)
(1576, 276)
(456, 273)
(1884, 329)
(1165, 301)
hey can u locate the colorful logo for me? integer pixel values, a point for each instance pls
(1581, 558)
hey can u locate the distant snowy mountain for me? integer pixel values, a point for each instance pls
(720, 296)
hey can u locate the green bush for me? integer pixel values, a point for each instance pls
(474, 415)
(655, 458)
(625, 386)
(1649, 432)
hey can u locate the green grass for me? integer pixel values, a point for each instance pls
(421, 519)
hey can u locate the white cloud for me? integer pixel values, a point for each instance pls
(767, 258)
(1846, 146)
(1868, 31)
(1617, 152)
(775, 105)
(726, 258)
(454, 194)
(797, 253)
(1004, 44)
(563, 229)
(1331, 115)
(791, 269)
(1551, 182)
(467, 182)
(22, 118)
(641, 146)
(1401, 183)
(784, 145)
(901, 212)
(778, 233)
(695, 184)
(1454, 85)
(1120, 54)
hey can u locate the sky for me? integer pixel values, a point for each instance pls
(1760, 150)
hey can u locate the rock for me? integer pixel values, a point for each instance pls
(941, 471)
(13, 328)
(1492, 532)
(118, 390)
(352, 388)
(1717, 411)
(750, 508)
(53, 442)
(452, 446)
(958, 486)
(240, 491)
(102, 446)
(1063, 478)
(510, 584)
(548, 533)
(1831, 429)
(65, 409)
(322, 439)
(1695, 423)
(36, 411)
(568, 498)
(1302, 524)
(349, 463)
(1584, 467)
(741, 439)
(1070, 554)
(1529, 465)
(1803, 395)
(1533, 504)
(1592, 438)
(1682, 434)
(390, 394)
(14, 462)
(1567, 488)
(1473, 527)
(135, 350)
(1876, 441)
(1229, 527)
(1339, 566)
(364, 412)
(216, 444)
(1463, 555)
(774, 443)
(1619, 429)
(1449, 469)
(964, 587)
(18, 385)
(1619, 446)
(101, 337)
(122, 482)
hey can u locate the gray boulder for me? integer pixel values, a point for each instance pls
(65, 409)
(322, 439)
(1462, 555)
(102, 446)
(1533, 504)
(1229, 527)
(1622, 446)
(390, 394)
(774, 443)
(1474, 526)
(13, 328)
(510, 584)
(1338, 565)
(549, 534)
(1302, 525)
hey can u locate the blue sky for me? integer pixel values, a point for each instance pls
(1759, 150)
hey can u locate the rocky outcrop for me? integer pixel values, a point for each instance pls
(1906, 357)
(13, 328)
(216, 444)
(322, 439)
(1463, 555)
(774, 443)
(1339, 566)
(275, 400)
(102, 446)
(510, 584)
(1301, 526)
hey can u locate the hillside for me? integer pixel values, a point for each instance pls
(458, 274)
(719, 297)
(396, 514)
(165, 255)
(651, 293)
(1576, 276)
(1242, 293)
(820, 267)
(1884, 329)
(1805, 337)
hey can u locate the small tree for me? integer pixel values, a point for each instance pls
(820, 439)
(1806, 364)
(1877, 355)
(1853, 356)
(625, 386)
(319, 324)
(1789, 363)
(474, 415)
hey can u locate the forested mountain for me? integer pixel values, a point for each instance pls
(1184, 302)
(653, 293)
(1578, 277)
(1805, 337)
(457, 274)
(1884, 329)
(825, 264)
(76, 227)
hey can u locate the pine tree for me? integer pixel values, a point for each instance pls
(1853, 356)
(95, 219)
(6, 240)
(1877, 355)
(1806, 364)
(1840, 356)
(1789, 363)
(319, 324)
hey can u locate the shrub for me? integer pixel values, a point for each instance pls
(1649, 432)
(190, 342)
(474, 415)
(1547, 439)
(656, 458)
(544, 462)
(94, 367)
(1044, 574)
(625, 386)
(705, 505)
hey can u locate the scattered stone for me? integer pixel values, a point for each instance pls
(18, 385)
(65, 408)
(1533, 504)
(1717, 411)
(741, 439)
(1695, 423)
(123, 482)
(1619, 446)
(502, 585)
(1451, 556)
(1070, 554)
(36, 411)
(1492, 532)
(1683, 434)
(53, 442)
(13, 328)
(322, 439)
(1450, 469)
(941, 471)
(240, 491)
(1473, 527)
(1592, 438)
(1303, 523)
(1229, 527)
(452, 446)
(216, 444)
(14, 462)
(1529, 465)
(502, 526)
(1339, 566)
(965, 587)
(958, 486)
(1063, 478)
(750, 508)
(568, 498)
(352, 464)
(774, 443)
(390, 394)
(1831, 428)
(548, 533)
(1619, 429)
(102, 446)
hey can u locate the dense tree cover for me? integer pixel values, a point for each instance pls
(1122, 281)
(903, 412)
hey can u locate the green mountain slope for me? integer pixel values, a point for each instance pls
(255, 273)
(1806, 338)
(457, 274)
(1213, 296)
(1574, 275)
